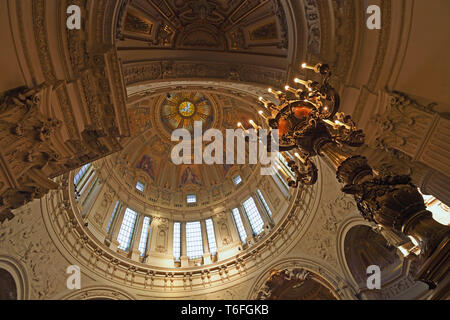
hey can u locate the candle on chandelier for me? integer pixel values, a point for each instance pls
(253, 124)
(241, 126)
(300, 158)
(264, 101)
(331, 123)
(261, 113)
(274, 92)
(290, 89)
(303, 82)
(314, 68)
(342, 124)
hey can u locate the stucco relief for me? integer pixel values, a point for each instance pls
(320, 239)
(224, 231)
(25, 237)
(162, 235)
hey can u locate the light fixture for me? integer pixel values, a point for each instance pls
(310, 124)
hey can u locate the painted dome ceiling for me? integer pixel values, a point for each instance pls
(204, 60)
(146, 157)
(182, 109)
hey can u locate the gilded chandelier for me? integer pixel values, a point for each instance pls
(307, 118)
(310, 123)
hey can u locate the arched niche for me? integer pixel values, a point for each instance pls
(300, 279)
(13, 280)
(364, 247)
(99, 293)
(8, 288)
(296, 284)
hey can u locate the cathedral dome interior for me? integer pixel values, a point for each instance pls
(95, 96)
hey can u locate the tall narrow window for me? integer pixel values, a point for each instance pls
(211, 236)
(253, 215)
(194, 241)
(177, 240)
(143, 243)
(261, 197)
(81, 174)
(82, 179)
(127, 229)
(113, 215)
(239, 225)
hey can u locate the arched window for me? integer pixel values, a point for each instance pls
(194, 240)
(256, 222)
(177, 240)
(143, 243)
(127, 229)
(239, 225)
(211, 236)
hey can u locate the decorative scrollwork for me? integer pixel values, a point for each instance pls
(305, 172)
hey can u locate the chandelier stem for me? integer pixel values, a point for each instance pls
(394, 203)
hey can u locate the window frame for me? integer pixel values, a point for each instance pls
(253, 214)
(188, 201)
(130, 232)
(194, 240)
(239, 224)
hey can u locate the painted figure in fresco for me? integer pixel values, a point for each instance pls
(146, 164)
(189, 177)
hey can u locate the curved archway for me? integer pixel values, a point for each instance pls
(300, 279)
(295, 284)
(99, 293)
(13, 280)
(363, 247)
(8, 286)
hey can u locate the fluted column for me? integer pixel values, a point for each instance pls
(206, 252)
(134, 245)
(116, 227)
(246, 223)
(183, 255)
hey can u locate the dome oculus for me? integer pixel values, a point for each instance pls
(186, 109)
(182, 109)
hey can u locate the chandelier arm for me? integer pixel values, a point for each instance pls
(314, 125)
